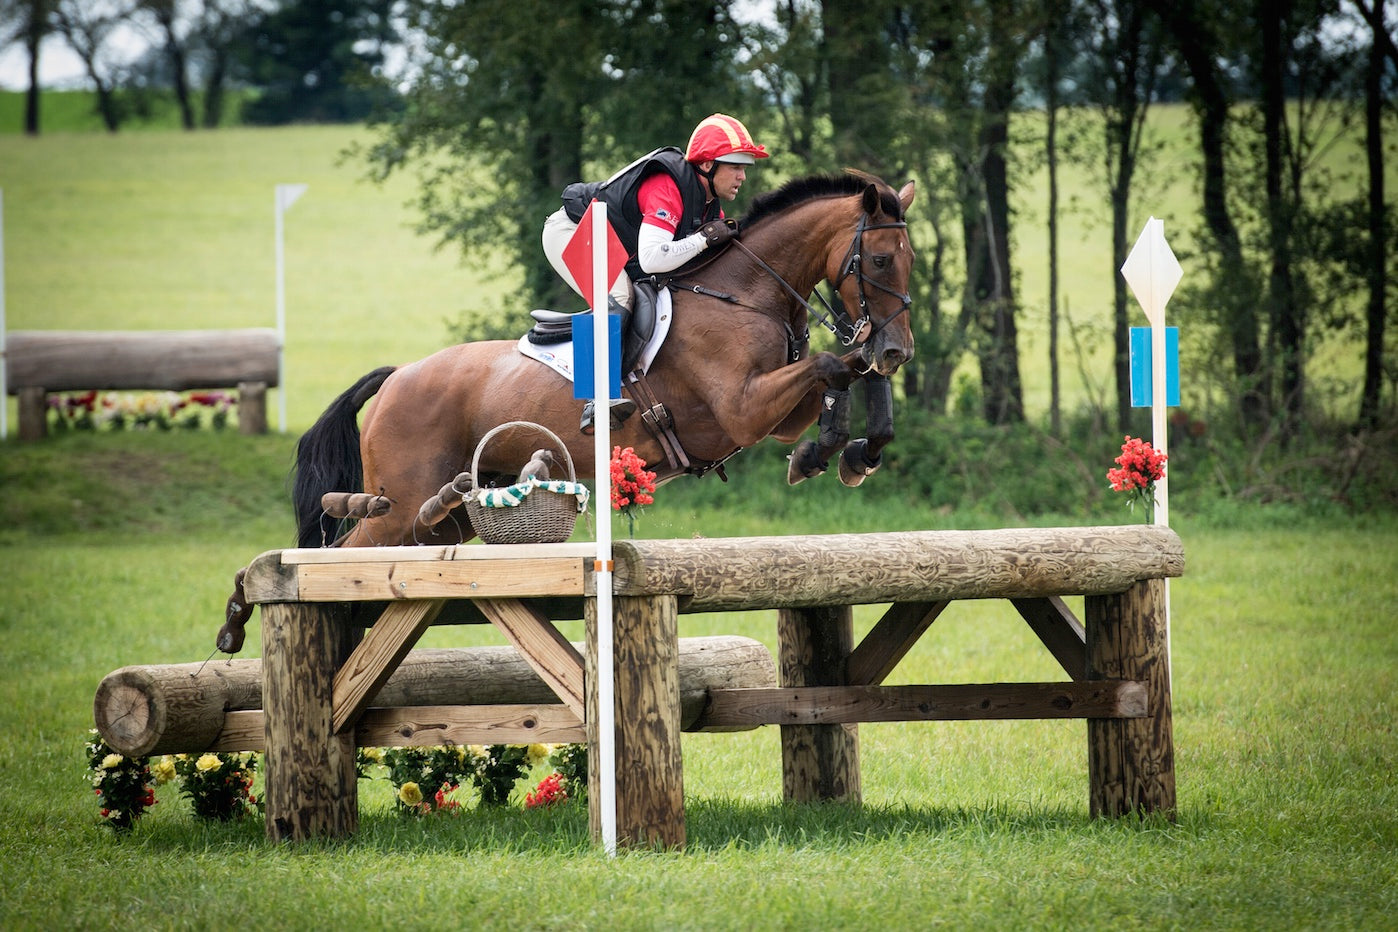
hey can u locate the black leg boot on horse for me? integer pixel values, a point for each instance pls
(812, 457)
(864, 456)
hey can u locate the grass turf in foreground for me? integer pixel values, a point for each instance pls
(1284, 660)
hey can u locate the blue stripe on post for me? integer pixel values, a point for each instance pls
(1142, 385)
(582, 355)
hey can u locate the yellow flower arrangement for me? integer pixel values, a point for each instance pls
(410, 794)
(163, 770)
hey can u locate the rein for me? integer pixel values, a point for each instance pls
(846, 330)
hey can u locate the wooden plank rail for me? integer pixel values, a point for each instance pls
(1115, 658)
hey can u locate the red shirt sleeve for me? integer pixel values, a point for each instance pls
(660, 202)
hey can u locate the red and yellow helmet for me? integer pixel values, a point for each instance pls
(721, 138)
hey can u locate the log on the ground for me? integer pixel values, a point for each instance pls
(178, 708)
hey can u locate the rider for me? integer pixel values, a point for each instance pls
(665, 210)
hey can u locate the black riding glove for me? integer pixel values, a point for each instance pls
(718, 232)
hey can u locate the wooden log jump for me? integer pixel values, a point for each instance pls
(320, 676)
(188, 708)
(41, 361)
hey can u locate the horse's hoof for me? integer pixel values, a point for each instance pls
(803, 463)
(855, 466)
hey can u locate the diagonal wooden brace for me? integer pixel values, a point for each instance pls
(377, 656)
(558, 662)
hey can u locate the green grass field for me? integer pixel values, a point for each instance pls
(119, 548)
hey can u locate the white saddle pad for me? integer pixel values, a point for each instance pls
(559, 356)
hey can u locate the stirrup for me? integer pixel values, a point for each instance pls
(619, 410)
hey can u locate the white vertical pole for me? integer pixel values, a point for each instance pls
(281, 317)
(602, 455)
(1162, 264)
(284, 197)
(4, 383)
(1160, 429)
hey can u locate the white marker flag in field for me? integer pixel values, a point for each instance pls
(286, 195)
(1152, 271)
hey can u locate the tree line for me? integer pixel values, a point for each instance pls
(534, 94)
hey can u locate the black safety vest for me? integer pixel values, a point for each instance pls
(624, 213)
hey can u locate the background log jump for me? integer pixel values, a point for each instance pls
(38, 362)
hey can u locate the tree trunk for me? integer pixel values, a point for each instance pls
(1378, 251)
(1288, 330)
(33, 38)
(1192, 41)
(213, 90)
(1000, 381)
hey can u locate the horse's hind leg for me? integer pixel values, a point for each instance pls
(864, 456)
(812, 457)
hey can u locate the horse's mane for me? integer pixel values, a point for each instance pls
(800, 190)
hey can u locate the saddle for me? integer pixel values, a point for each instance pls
(637, 324)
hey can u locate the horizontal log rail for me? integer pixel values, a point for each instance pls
(742, 573)
(173, 360)
(834, 705)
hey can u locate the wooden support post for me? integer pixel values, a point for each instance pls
(311, 790)
(252, 408)
(819, 762)
(33, 413)
(649, 767)
(1131, 761)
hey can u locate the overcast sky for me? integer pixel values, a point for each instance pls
(59, 67)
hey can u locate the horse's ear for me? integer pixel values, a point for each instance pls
(905, 196)
(871, 200)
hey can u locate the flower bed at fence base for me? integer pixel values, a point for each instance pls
(426, 780)
(94, 410)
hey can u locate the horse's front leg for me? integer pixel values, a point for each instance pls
(862, 457)
(780, 402)
(812, 457)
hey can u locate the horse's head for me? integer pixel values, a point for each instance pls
(871, 271)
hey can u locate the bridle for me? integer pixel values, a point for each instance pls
(846, 329)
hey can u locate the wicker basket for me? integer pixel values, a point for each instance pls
(543, 517)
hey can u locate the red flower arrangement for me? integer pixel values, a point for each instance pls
(1139, 468)
(632, 484)
(549, 792)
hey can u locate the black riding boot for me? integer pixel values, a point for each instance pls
(620, 408)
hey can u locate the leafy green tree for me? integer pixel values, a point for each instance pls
(1125, 66)
(317, 61)
(511, 100)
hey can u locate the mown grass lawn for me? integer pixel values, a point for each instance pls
(1284, 660)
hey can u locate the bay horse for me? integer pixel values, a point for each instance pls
(734, 369)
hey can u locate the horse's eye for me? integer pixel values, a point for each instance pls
(881, 262)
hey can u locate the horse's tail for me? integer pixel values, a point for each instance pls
(328, 460)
